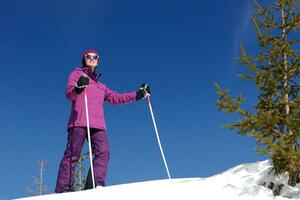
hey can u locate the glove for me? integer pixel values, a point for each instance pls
(143, 91)
(83, 81)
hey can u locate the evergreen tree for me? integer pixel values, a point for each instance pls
(275, 121)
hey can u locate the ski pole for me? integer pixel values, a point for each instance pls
(157, 135)
(89, 136)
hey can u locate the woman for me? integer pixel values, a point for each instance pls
(86, 78)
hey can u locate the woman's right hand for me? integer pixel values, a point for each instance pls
(82, 82)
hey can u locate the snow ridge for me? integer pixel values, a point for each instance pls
(243, 182)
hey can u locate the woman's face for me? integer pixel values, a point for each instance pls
(91, 60)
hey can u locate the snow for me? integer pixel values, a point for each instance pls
(243, 182)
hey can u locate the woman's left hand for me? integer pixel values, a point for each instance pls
(143, 91)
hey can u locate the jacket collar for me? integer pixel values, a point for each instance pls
(93, 75)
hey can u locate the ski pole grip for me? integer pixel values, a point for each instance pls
(147, 94)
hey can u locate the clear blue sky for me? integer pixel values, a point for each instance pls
(181, 48)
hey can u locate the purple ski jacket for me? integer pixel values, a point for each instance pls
(97, 93)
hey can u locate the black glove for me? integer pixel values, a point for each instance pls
(83, 81)
(143, 91)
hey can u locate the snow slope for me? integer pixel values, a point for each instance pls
(243, 182)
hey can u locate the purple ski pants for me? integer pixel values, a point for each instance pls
(100, 149)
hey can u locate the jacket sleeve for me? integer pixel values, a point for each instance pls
(116, 98)
(72, 83)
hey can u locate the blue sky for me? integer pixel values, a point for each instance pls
(181, 48)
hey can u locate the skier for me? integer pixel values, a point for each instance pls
(86, 78)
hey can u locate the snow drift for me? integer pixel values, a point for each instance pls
(243, 182)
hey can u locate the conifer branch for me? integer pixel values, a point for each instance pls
(276, 70)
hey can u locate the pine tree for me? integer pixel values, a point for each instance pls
(275, 121)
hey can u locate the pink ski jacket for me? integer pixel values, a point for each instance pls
(97, 93)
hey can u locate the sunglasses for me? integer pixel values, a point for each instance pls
(90, 57)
